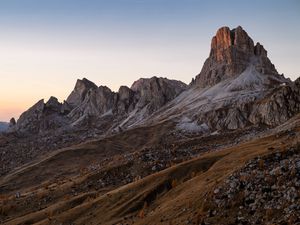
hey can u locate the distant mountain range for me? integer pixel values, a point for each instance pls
(223, 149)
(237, 87)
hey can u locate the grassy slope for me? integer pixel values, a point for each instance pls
(173, 196)
(68, 161)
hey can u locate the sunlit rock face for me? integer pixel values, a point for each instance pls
(232, 51)
(237, 87)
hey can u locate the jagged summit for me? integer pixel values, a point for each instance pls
(232, 51)
(145, 96)
(79, 92)
(140, 83)
(89, 102)
(235, 79)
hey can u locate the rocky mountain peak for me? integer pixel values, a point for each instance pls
(145, 96)
(28, 119)
(259, 50)
(53, 104)
(157, 83)
(157, 90)
(228, 40)
(125, 92)
(79, 92)
(236, 39)
(12, 122)
(232, 51)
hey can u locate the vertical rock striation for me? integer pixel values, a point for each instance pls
(232, 51)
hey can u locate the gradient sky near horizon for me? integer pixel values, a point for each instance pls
(46, 45)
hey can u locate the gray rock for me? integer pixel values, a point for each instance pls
(78, 94)
(53, 104)
(12, 122)
(29, 120)
(231, 53)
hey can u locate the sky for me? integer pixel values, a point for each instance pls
(45, 46)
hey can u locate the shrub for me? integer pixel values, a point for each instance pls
(141, 213)
(174, 183)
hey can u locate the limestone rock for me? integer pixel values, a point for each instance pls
(12, 122)
(232, 51)
(144, 97)
(237, 87)
(53, 104)
(278, 107)
(126, 100)
(29, 119)
(96, 102)
(78, 94)
(155, 92)
(41, 118)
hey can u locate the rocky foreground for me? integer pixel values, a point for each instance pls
(264, 191)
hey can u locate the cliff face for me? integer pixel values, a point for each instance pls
(88, 105)
(237, 89)
(238, 86)
(232, 51)
(80, 91)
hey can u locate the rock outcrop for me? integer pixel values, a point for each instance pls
(259, 94)
(143, 98)
(273, 107)
(12, 122)
(80, 91)
(41, 117)
(232, 51)
(29, 120)
(238, 87)
(279, 106)
(89, 105)
(255, 193)
(155, 92)
(53, 104)
(126, 100)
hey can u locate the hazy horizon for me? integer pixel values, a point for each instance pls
(45, 46)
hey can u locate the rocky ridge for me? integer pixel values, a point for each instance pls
(151, 128)
(238, 87)
(245, 91)
(88, 105)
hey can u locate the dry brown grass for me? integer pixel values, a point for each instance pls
(261, 164)
(164, 199)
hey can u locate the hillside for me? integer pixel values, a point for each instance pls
(222, 150)
(181, 193)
